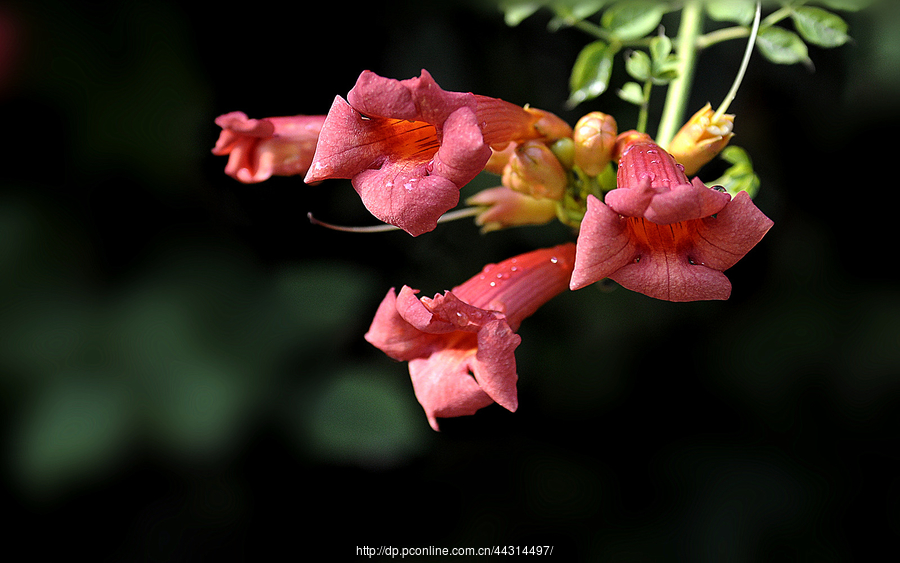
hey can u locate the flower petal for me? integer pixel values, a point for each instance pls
(604, 245)
(494, 364)
(445, 388)
(670, 277)
(724, 239)
(412, 202)
(667, 205)
(391, 333)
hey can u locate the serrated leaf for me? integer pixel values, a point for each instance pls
(637, 64)
(820, 27)
(782, 46)
(633, 19)
(738, 11)
(632, 93)
(591, 72)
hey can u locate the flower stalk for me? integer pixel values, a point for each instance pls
(680, 88)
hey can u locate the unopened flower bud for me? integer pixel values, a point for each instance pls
(701, 139)
(595, 137)
(626, 139)
(534, 170)
(505, 208)
(549, 125)
(499, 159)
(564, 150)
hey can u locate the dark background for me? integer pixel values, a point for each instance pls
(182, 366)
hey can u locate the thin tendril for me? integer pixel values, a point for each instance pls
(446, 217)
(740, 75)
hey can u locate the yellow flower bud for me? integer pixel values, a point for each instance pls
(549, 125)
(700, 140)
(505, 208)
(534, 170)
(499, 159)
(595, 137)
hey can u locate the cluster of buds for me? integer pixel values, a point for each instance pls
(550, 177)
(408, 146)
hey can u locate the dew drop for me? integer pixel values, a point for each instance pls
(554, 260)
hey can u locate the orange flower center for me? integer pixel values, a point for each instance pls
(408, 140)
(672, 239)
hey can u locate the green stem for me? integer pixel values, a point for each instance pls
(777, 16)
(591, 29)
(680, 88)
(598, 32)
(645, 107)
(720, 35)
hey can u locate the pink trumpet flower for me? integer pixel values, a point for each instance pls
(664, 236)
(258, 149)
(409, 145)
(460, 345)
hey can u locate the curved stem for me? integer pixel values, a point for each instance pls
(449, 216)
(740, 75)
(679, 89)
(720, 35)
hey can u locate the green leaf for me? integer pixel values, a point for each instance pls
(740, 177)
(633, 19)
(782, 46)
(665, 71)
(632, 93)
(591, 72)
(820, 27)
(582, 9)
(847, 5)
(637, 64)
(660, 47)
(515, 13)
(664, 66)
(738, 11)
